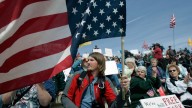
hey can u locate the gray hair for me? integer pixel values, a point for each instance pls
(142, 68)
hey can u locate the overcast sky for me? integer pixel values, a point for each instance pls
(148, 20)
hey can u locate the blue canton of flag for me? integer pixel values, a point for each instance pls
(95, 19)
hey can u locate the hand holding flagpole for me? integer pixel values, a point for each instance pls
(122, 61)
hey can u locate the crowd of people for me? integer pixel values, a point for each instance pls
(87, 86)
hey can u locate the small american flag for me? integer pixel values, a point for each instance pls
(145, 46)
(40, 38)
(172, 21)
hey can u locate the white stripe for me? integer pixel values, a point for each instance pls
(33, 10)
(35, 39)
(34, 66)
(1, 1)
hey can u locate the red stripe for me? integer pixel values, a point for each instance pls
(36, 25)
(35, 78)
(12, 9)
(35, 53)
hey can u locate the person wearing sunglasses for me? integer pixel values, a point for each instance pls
(179, 86)
(182, 70)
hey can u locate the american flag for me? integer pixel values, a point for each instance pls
(145, 46)
(40, 38)
(96, 19)
(172, 21)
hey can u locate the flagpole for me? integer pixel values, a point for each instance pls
(173, 38)
(123, 63)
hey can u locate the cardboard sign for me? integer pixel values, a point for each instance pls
(97, 50)
(135, 51)
(66, 73)
(108, 52)
(169, 101)
(111, 68)
(85, 55)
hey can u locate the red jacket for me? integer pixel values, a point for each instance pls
(158, 53)
(74, 93)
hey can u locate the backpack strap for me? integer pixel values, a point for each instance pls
(100, 81)
(101, 85)
(81, 77)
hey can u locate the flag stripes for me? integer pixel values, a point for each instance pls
(34, 46)
(13, 12)
(34, 53)
(33, 26)
(172, 21)
(145, 45)
(29, 78)
(43, 64)
(41, 9)
(44, 36)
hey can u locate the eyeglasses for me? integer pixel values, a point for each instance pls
(172, 70)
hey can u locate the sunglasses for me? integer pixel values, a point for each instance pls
(172, 70)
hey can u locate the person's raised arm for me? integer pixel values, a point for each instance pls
(43, 95)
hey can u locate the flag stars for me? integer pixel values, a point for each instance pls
(77, 34)
(77, 25)
(102, 25)
(84, 35)
(121, 4)
(94, 4)
(95, 19)
(95, 33)
(108, 31)
(80, 1)
(101, 11)
(108, 18)
(74, 11)
(89, 27)
(121, 30)
(114, 24)
(115, 10)
(121, 17)
(88, 11)
(83, 22)
(108, 4)
(92, 1)
(83, 14)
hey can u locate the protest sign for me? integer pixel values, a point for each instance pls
(111, 68)
(169, 101)
(108, 52)
(97, 50)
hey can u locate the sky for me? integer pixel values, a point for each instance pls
(148, 20)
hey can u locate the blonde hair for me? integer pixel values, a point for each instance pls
(173, 65)
(131, 60)
(154, 59)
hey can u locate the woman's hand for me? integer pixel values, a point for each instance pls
(125, 83)
(154, 72)
(43, 96)
(187, 78)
